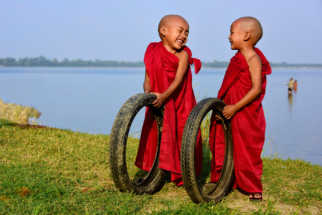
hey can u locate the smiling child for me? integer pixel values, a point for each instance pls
(168, 76)
(243, 90)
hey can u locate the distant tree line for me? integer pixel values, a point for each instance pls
(224, 64)
(216, 64)
(45, 62)
(297, 65)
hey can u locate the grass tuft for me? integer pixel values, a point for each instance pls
(17, 113)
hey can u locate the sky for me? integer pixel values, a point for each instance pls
(121, 30)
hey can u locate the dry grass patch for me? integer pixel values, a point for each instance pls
(17, 113)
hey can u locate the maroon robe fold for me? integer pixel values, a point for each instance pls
(161, 67)
(248, 126)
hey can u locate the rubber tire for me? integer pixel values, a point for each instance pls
(188, 146)
(117, 147)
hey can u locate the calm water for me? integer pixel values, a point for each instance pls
(88, 99)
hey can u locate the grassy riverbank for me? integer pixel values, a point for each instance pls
(47, 170)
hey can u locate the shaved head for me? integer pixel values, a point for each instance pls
(173, 31)
(251, 25)
(167, 19)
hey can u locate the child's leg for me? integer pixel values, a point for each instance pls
(148, 143)
(217, 147)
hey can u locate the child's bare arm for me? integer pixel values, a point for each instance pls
(255, 69)
(182, 68)
(146, 83)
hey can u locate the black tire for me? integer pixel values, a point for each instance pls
(117, 147)
(188, 146)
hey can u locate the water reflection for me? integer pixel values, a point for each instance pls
(290, 99)
(290, 103)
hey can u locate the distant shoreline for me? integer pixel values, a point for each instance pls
(272, 67)
(45, 62)
(203, 67)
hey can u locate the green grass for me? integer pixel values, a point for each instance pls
(52, 171)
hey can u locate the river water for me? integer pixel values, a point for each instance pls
(88, 99)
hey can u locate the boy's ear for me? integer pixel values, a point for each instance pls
(246, 36)
(163, 31)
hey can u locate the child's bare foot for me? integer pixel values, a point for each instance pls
(255, 197)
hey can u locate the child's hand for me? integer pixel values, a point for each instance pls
(229, 111)
(159, 101)
(217, 117)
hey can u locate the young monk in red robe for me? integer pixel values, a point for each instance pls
(243, 90)
(168, 76)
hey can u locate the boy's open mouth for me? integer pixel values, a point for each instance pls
(180, 42)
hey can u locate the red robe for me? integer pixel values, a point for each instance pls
(161, 67)
(248, 126)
